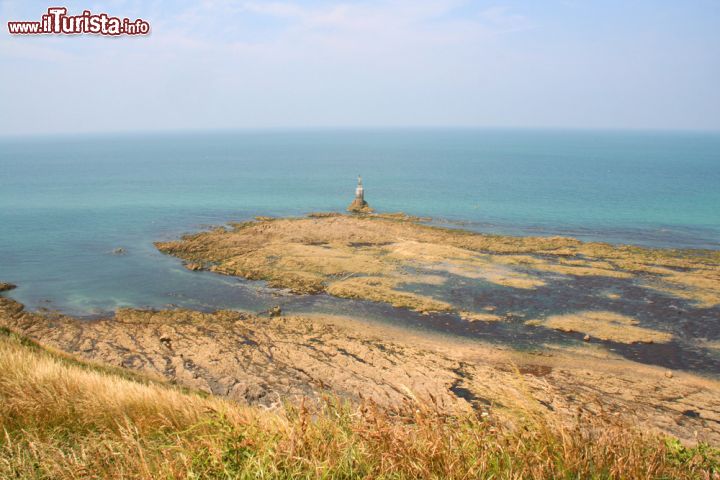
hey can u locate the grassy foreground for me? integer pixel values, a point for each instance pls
(62, 418)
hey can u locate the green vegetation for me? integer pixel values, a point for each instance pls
(62, 418)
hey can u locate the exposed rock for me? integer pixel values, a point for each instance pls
(323, 214)
(359, 205)
(6, 286)
(381, 289)
(250, 358)
(480, 317)
(402, 217)
(606, 326)
(166, 341)
(257, 360)
(275, 311)
(255, 393)
(118, 251)
(321, 253)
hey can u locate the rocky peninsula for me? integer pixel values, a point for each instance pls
(405, 263)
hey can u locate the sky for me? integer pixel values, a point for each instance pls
(235, 64)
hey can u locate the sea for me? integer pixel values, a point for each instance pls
(67, 203)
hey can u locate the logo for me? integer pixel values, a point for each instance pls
(58, 22)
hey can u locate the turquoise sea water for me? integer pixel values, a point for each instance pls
(67, 202)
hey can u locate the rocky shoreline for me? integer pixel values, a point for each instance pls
(269, 360)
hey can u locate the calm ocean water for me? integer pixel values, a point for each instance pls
(67, 202)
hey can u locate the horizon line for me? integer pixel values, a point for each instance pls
(270, 129)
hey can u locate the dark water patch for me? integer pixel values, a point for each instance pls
(650, 308)
(368, 244)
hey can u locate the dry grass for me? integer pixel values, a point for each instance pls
(64, 419)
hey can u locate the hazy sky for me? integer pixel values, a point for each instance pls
(236, 64)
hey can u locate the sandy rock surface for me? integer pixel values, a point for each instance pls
(264, 360)
(401, 262)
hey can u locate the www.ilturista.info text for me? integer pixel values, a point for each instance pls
(57, 21)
